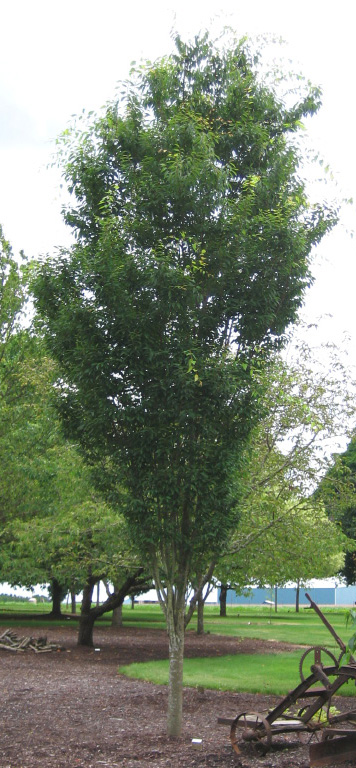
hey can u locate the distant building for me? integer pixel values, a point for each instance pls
(323, 592)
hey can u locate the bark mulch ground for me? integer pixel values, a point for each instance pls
(71, 709)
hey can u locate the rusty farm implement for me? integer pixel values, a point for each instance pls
(308, 709)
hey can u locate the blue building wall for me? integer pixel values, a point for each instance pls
(286, 596)
(345, 595)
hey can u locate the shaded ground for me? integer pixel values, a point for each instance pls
(70, 709)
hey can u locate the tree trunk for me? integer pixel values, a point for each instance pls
(132, 602)
(175, 629)
(87, 617)
(74, 602)
(86, 627)
(116, 620)
(275, 599)
(297, 594)
(57, 594)
(200, 616)
(172, 601)
(223, 596)
(198, 593)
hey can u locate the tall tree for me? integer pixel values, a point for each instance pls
(75, 544)
(24, 372)
(283, 533)
(12, 291)
(302, 544)
(193, 239)
(54, 527)
(338, 491)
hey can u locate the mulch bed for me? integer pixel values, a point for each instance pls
(71, 709)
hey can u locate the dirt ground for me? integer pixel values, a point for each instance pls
(71, 708)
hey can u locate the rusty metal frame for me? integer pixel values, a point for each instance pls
(338, 742)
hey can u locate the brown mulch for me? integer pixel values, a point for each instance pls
(71, 708)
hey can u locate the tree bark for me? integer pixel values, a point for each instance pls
(200, 616)
(172, 601)
(297, 595)
(198, 592)
(89, 615)
(57, 594)
(85, 632)
(74, 602)
(175, 628)
(116, 620)
(222, 599)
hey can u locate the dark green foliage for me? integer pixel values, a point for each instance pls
(193, 240)
(12, 291)
(338, 490)
(22, 373)
(193, 237)
(349, 570)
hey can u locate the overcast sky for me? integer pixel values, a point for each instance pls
(57, 58)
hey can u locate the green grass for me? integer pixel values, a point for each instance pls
(257, 673)
(268, 673)
(253, 622)
(286, 625)
(16, 606)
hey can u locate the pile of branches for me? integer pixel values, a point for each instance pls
(10, 642)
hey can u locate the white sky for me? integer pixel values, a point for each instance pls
(57, 58)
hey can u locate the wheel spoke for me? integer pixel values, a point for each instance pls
(255, 729)
(315, 655)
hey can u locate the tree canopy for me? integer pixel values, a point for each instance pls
(193, 240)
(338, 491)
(284, 532)
(23, 372)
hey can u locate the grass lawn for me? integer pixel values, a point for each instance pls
(267, 673)
(257, 673)
(286, 625)
(304, 627)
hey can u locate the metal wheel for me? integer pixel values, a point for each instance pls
(315, 655)
(255, 729)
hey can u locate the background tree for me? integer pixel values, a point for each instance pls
(12, 292)
(193, 238)
(303, 544)
(79, 542)
(29, 426)
(283, 533)
(14, 384)
(338, 491)
(200, 597)
(54, 527)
